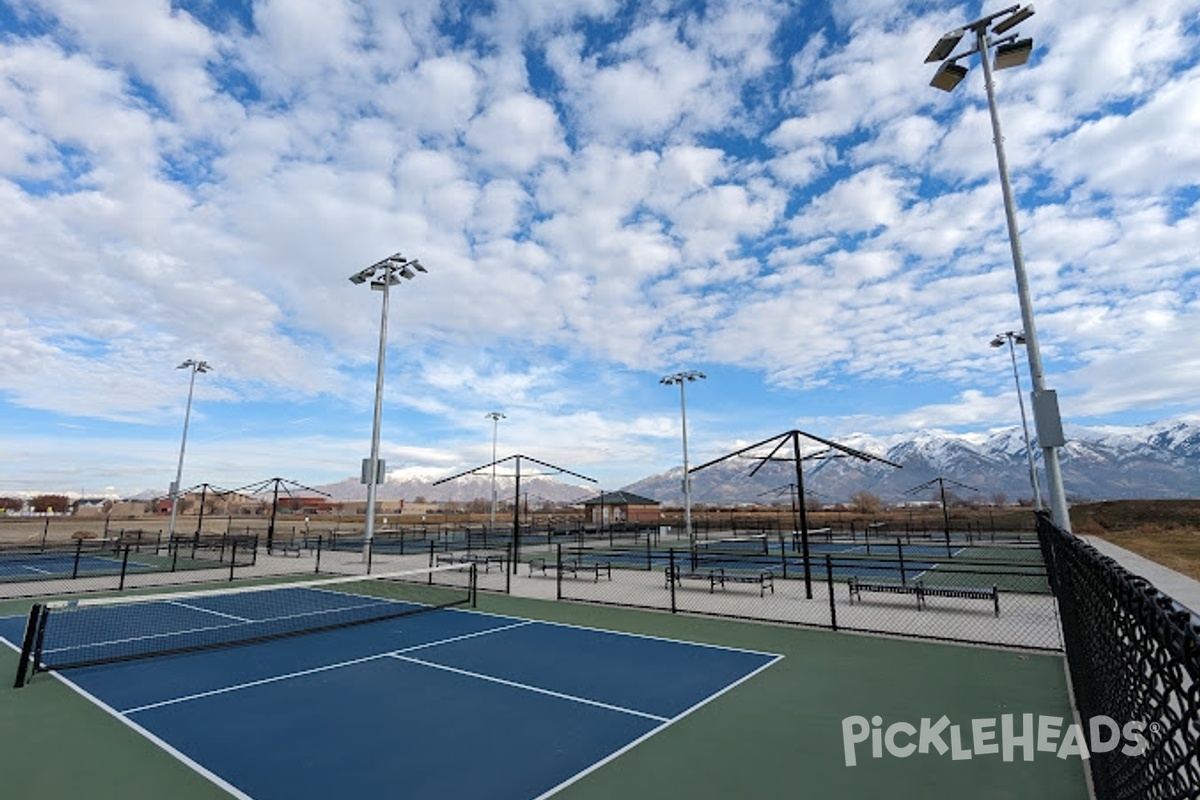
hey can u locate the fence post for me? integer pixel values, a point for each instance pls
(124, 567)
(829, 580)
(78, 549)
(558, 573)
(671, 575)
(507, 572)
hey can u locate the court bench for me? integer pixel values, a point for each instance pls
(574, 566)
(966, 592)
(857, 586)
(290, 548)
(484, 559)
(717, 576)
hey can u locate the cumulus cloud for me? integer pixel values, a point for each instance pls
(600, 191)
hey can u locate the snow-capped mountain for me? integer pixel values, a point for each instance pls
(534, 489)
(1152, 461)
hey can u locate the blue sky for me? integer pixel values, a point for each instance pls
(603, 193)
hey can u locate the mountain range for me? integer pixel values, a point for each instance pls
(1153, 461)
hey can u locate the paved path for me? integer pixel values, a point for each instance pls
(1179, 586)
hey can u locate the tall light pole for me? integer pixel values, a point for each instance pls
(495, 417)
(1014, 338)
(195, 366)
(684, 378)
(383, 275)
(1011, 52)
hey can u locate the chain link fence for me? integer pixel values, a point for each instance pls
(1134, 656)
(994, 593)
(131, 559)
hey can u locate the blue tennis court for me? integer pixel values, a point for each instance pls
(62, 565)
(446, 703)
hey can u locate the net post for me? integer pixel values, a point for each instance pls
(507, 571)
(174, 548)
(783, 555)
(474, 588)
(31, 629)
(232, 558)
(35, 660)
(320, 541)
(829, 581)
(124, 568)
(900, 554)
(370, 555)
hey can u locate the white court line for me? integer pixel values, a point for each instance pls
(530, 688)
(209, 611)
(611, 756)
(314, 670)
(162, 744)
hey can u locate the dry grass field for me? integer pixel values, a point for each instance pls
(1164, 531)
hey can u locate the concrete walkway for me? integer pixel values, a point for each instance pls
(1179, 586)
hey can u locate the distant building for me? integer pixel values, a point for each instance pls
(612, 507)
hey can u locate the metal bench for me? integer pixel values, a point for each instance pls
(858, 586)
(717, 576)
(923, 592)
(574, 566)
(484, 559)
(966, 592)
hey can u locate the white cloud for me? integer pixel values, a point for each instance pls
(597, 190)
(516, 134)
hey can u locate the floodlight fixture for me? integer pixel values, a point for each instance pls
(1013, 54)
(680, 377)
(1013, 21)
(382, 275)
(948, 76)
(945, 46)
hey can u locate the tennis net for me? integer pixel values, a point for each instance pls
(78, 633)
(738, 545)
